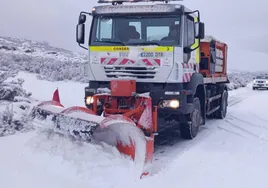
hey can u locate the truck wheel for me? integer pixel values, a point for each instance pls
(221, 113)
(190, 128)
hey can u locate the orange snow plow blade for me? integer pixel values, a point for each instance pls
(126, 117)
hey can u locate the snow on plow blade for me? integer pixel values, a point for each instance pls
(118, 130)
(52, 115)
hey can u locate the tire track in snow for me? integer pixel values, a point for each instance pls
(167, 153)
(240, 97)
(232, 132)
(246, 131)
(229, 118)
(260, 118)
(235, 101)
(247, 122)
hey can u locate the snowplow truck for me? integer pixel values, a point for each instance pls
(149, 63)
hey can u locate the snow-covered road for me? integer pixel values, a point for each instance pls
(226, 153)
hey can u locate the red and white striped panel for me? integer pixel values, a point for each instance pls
(188, 66)
(126, 61)
(151, 62)
(186, 77)
(188, 70)
(191, 66)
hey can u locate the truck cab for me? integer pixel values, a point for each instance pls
(149, 43)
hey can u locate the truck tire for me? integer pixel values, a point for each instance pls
(190, 128)
(221, 113)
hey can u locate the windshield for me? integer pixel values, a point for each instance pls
(262, 77)
(136, 30)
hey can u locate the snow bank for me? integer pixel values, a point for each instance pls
(59, 162)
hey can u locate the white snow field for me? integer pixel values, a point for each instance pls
(226, 153)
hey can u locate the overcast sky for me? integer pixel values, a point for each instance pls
(55, 20)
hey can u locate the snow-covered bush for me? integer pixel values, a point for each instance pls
(47, 68)
(14, 106)
(14, 117)
(239, 79)
(10, 90)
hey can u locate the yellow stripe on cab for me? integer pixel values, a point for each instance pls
(126, 48)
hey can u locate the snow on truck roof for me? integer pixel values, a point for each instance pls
(136, 8)
(134, 1)
(209, 38)
(139, 8)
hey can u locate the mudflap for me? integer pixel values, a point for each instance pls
(82, 124)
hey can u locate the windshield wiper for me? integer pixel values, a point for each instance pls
(112, 42)
(145, 43)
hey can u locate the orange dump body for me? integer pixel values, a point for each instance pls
(213, 59)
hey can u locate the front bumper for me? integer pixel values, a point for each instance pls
(162, 99)
(161, 95)
(260, 85)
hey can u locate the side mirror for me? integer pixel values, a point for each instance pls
(82, 19)
(199, 30)
(80, 29)
(80, 33)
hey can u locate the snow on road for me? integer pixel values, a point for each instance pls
(226, 153)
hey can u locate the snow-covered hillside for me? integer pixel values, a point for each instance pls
(50, 63)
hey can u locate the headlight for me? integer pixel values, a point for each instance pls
(170, 103)
(174, 103)
(89, 100)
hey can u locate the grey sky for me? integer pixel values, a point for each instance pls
(50, 20)
(232, 21)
